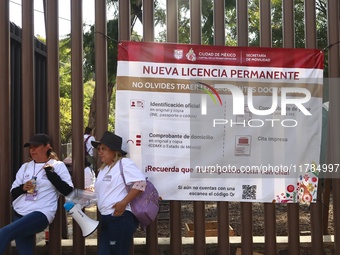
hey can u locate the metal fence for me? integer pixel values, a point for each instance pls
(28, 104)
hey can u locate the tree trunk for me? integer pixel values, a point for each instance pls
(92, 113)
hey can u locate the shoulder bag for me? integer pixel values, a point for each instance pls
(146, 205)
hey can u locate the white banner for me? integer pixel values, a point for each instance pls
(216, 123)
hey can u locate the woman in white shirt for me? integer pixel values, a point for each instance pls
(118, 224)
(35, 192)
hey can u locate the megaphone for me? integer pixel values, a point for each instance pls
(87, 225)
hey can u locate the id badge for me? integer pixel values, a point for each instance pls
(32, 196)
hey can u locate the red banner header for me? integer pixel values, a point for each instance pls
(220, 55)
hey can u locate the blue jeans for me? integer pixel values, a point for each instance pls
(116, 233)
(23, 230)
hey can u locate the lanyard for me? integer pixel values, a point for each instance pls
(34, 167)
(35, 175)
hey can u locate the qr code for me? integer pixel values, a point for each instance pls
(249, 191)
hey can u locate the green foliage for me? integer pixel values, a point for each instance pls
(89, 51)
(89, 87)
(112, 109)
(277, 23)
(65, 120)
(112, 49)
(207, 22)
(65, 68)
(65, 92)
(89, 57)
(231, 27)
(299, 23)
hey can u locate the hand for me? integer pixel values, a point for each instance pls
(49, 168)
(119, 208)
(27, 186)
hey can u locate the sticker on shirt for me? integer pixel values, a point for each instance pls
(27, 177)
(107, 178)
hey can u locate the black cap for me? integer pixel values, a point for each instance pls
(114, 142)
(38, 139)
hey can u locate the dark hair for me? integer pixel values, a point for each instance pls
(88, 130)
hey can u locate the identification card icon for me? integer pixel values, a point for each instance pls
(242, 145)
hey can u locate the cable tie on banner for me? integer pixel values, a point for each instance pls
(330, 45)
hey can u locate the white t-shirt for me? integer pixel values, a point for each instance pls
(46, 199)
(110, 187)
(89, 147)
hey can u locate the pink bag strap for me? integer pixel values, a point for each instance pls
(122, 174)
